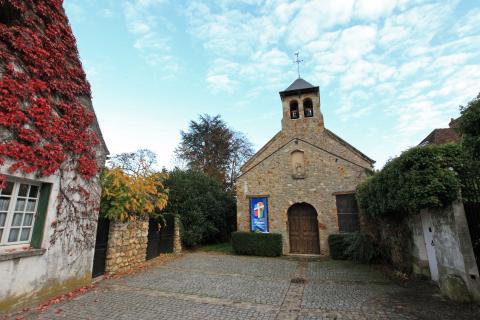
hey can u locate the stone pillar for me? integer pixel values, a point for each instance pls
(177, 241)
(127, 245)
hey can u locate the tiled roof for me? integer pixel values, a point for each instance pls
(441, 136)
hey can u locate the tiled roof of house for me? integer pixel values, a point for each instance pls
(441, 136)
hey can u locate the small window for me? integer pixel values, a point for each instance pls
(308, 107)
(347, 211)
(294, 114)
(18, 205)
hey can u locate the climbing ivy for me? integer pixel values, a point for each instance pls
(46, 125)
(421, 177)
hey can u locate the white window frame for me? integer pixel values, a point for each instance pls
(11, 212)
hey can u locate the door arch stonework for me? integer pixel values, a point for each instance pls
(303, 229)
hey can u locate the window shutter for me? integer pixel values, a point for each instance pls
(41, 215)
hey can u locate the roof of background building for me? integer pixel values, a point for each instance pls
(441, 136)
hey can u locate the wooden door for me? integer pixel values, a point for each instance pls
(303, 229)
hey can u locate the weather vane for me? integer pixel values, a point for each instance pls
(298, 63)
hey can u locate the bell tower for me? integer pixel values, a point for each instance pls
(301, 108)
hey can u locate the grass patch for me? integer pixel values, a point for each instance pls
(225, 247)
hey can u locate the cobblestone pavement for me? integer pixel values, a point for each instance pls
(208, 286)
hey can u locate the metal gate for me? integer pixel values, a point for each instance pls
(160, 236)
(100, 247)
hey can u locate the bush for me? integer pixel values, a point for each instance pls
(338, 244)
(362, 248)
(205, 209)
(257, 244)
(422, 177)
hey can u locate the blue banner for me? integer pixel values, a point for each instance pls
(259, 214)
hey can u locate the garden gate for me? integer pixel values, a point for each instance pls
(160, 236)
(471, 195)
(101, 242)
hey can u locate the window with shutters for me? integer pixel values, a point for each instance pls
(22, 206)
(347, 212)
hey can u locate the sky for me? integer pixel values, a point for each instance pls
(389, 71)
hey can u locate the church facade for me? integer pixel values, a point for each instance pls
(302, 183)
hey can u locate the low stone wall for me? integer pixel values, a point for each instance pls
(127, 245)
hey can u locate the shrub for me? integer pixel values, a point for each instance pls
(422, 177)
(205, 209)
(338, 244)
(257, 244)
(362, 248)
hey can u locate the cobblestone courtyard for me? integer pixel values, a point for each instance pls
(208, 286)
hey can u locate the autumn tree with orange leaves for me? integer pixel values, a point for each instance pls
(132, 188)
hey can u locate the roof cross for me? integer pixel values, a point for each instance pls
(298, 61)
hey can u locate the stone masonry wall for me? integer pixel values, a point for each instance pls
(177, 241)
(127, 245)
(330, 167)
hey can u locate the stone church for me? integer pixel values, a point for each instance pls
(302, 182)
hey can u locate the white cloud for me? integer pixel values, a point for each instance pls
(402, 59)
(371, 10)
(151, 42)
(470, 24)
(316, 16)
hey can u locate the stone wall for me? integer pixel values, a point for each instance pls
(177, 241)
(127, 245)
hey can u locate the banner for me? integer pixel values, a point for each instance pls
(259, 214)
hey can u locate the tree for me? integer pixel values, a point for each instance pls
(469, 127)
(206, 210)
(138, 163)
(211, 147)
(132, 188)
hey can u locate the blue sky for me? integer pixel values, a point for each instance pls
(389, 71)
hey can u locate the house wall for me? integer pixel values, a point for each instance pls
(325, 174)
(26, 280)
(453, 248)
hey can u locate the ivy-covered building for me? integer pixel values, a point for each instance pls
(51, 155)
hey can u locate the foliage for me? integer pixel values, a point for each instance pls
(206, 210)
(362, 248)
(41, 86)
(338, 244)
(211, 147)
(421, 177)
(47, 125)
(132, 188)
(257, 244)
(469, 127)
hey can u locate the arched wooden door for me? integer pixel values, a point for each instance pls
(303, 229)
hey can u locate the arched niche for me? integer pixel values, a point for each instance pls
(297, 158)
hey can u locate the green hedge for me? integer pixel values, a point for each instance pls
(338, 244)
(421, 177)
(257, 244)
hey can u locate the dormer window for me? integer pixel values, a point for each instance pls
(294, 114)
(308, 107)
